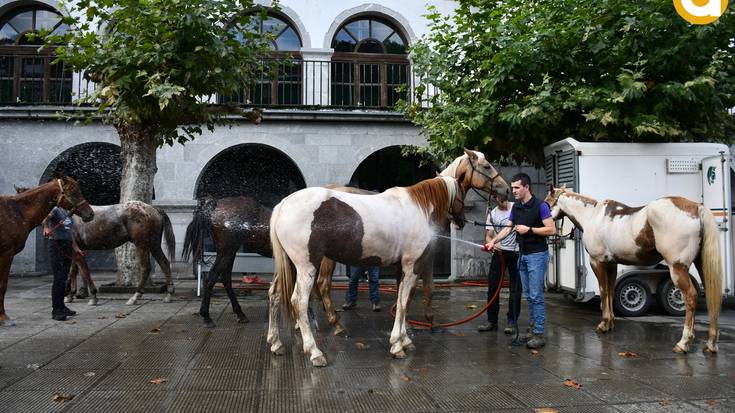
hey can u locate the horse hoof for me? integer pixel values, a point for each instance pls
(92, 301)
(409, 347)
(340, 331)
(400, 355)
(209, 323)
(279, 351)
(131, 302)
(709, 350)
(242, 319)
(68, 299)
(320, 361)
(602, 329)
(679, 349)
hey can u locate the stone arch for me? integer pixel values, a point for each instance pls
(294, 18)
(387, 167)
(6, 6)
(252, 169)
(369, 9)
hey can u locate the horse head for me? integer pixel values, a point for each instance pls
(552, 198)
(70, 197)
(473, 170)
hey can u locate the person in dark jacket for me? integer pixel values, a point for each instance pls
(532, 222)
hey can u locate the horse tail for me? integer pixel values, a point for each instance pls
(168, 234)
(197, 231)
(711, 265)
(283, 275)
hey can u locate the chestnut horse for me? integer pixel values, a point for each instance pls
(21, 213)
(675, 229)
(396, 226)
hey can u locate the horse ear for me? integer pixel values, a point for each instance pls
(438, 175)
(472, 155)
(551, 188)
(563, 186)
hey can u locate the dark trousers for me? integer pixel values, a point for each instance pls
(60, 253)
(494, 278)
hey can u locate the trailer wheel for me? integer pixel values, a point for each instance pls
(670, 299)
(632, 297)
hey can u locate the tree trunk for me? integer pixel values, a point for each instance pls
(138, 152)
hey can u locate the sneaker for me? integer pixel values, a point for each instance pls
(58, 317)
(68, 312)
(376, 307)
(349, 305)
(511, 329)
(490, 326)
(537, 341)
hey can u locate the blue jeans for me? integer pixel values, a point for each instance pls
(532, 269)
(373, 281)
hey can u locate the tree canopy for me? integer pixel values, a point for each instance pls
(154, 61)
(516, 75)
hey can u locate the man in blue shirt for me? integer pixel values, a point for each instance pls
(533, 223)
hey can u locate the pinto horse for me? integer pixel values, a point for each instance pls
(396, 226)
(133, 221)
(21, 213)
(675, 229)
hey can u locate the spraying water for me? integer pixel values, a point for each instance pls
(474, 244)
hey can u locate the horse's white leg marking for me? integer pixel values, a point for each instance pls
(680, 276)
(273, 338)
(300, 300)
(399, 325)
(134, 299)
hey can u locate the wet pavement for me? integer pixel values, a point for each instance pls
(155, 357)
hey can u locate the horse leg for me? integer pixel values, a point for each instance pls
(5, 262)
(612, 278)
(398, 337)
(600, 269)
(145, 264)
(712, 311)
(227, 282)
(324, 284)
(71, 282)
(208, 286)
(274, 299)
(87, 275)
(680, 276)
(427, 281)
(165, 265)
(305, 275)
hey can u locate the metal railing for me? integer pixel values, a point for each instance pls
(34, 80)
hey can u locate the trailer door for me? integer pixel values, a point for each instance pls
(561, 169)
(717, 197)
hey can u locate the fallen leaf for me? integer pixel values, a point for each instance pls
(158, 380)
(572, 383)
(156, 330)
(421, 370)
(101, 317)
(362, 346)
(546, 410)
(405, 378)
(665, 402)
(120, 315)
(627, 354)
(34, 366)
(90, 374)
(71, 322)
(458, 334)
(62, 397)
(470, 306)
(711, 403)
(534, 352)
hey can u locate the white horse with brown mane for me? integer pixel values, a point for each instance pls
(673, 229)
(396, 226)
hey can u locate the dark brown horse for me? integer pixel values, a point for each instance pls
(21, 213)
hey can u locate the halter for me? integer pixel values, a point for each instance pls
(491, 178)
(561, 236)
(62, 195)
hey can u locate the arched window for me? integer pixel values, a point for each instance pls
(27, 74)
(370, 63)
(283, 87)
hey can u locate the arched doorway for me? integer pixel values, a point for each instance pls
(387, 168)
(98, 168)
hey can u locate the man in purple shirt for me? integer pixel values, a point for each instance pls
(533, 223)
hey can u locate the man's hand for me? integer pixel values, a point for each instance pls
(46, 233)
(489, 246)
(522, 229)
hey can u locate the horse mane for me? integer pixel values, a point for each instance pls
(433, 197)
(582, 198)
(451, 170)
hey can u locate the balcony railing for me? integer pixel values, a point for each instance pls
(34, 80)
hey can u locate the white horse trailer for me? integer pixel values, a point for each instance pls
(635, 174)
